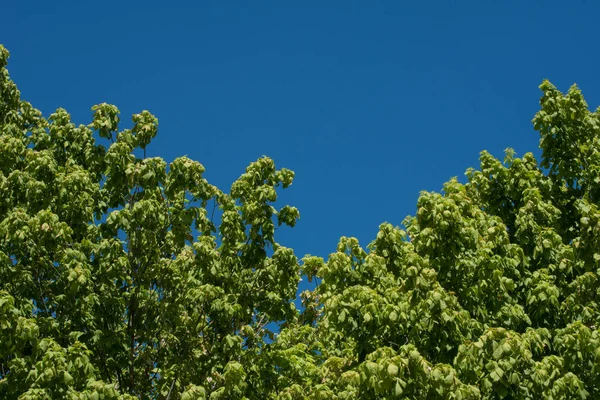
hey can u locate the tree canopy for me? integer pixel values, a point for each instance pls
(118, 280)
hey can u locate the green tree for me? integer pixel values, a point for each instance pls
(117, 280)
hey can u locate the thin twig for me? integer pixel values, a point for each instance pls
(170, 390)
(212, 216)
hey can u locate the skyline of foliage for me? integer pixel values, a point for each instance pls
(116, 280)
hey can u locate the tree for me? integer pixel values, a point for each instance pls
(117, 280)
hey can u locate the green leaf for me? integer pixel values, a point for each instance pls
(67, 377)
(398, 389)
(392, 370)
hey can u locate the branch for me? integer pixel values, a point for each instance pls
(170, 390)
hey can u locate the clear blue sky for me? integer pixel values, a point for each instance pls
(368, 102)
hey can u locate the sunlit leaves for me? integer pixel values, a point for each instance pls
(124, 276)
(106, 120)
(115, 279)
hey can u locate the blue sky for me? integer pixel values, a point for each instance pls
(368, 102)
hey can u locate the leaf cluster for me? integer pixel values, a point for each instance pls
(124, 276)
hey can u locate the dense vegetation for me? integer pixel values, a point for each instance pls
(117, 279)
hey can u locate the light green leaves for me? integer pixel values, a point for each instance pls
(106, 120)
(145, 128)
(123, 277)
(288, 216)
(167, 296)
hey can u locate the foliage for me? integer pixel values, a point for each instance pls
(118, 281)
